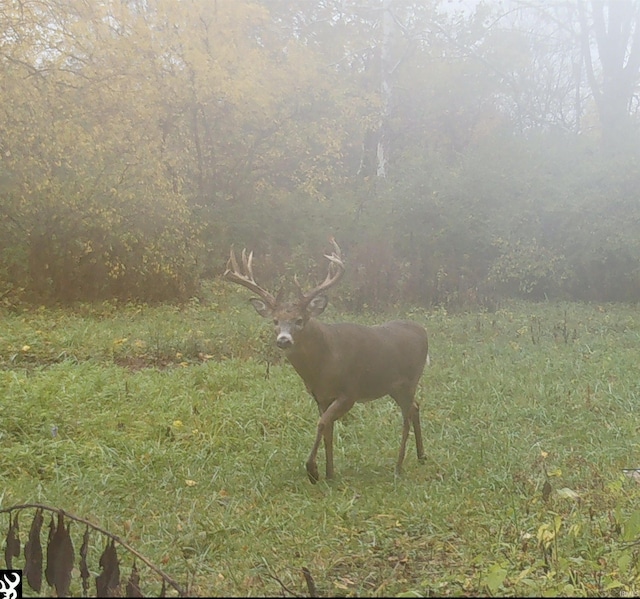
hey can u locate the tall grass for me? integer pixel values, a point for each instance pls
(181, 430)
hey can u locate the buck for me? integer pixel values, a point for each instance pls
(341, 363)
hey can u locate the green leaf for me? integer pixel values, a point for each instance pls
(632, 527)
(494, 578)
(623, 561)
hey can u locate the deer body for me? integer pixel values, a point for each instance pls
(332, 362)
(344, 363)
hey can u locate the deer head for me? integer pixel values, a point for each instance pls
(289, 318)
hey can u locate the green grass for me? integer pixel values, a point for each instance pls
(182, 431)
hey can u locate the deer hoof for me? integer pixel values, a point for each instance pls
(312, 472)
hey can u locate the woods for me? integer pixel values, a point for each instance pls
(459, 152)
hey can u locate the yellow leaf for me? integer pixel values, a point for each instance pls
(339, 585)
(568, 493)
(190, 483)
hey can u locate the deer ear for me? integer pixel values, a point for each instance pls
(317, 305)
(261, 308)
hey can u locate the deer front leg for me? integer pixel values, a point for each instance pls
(328, 449)
(325, 431)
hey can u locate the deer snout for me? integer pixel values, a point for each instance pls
(284, 341)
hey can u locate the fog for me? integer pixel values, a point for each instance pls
(460, 152)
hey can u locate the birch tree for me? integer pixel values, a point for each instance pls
(385, 86)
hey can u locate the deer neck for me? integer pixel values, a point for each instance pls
(310, 350)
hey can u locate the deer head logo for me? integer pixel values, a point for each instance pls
(7, 587)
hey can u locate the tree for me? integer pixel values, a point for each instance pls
(610, 32)
(87, 209)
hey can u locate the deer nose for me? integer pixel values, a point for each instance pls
(284, 341)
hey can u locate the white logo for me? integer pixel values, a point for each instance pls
(8, 588)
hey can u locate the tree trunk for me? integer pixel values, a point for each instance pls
(616, 30)
(385, 88)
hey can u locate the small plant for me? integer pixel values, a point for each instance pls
(58, 558)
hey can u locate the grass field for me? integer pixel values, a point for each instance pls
(182, 431)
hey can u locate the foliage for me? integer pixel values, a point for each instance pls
(544, 230)
(117, 413)
(123, 144)
(532, 270)
(140, 139)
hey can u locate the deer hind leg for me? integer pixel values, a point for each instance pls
(325, 431)
(410, 417)
(417, 431)
(406, 425)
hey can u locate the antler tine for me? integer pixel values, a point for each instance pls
(246, 278)
(337, 251)
(247, 262)
(334, 274)
(231, 262)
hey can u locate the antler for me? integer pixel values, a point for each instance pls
(336, 270)
(246, 279)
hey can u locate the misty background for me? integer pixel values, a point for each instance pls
(460, 152)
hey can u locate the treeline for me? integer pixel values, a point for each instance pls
(139, 140)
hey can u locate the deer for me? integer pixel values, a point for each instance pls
(344, 363)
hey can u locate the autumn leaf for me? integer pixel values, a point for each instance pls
(12, 543)
(33, 553)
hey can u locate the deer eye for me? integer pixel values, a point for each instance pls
(299, 322)
(276, 321)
